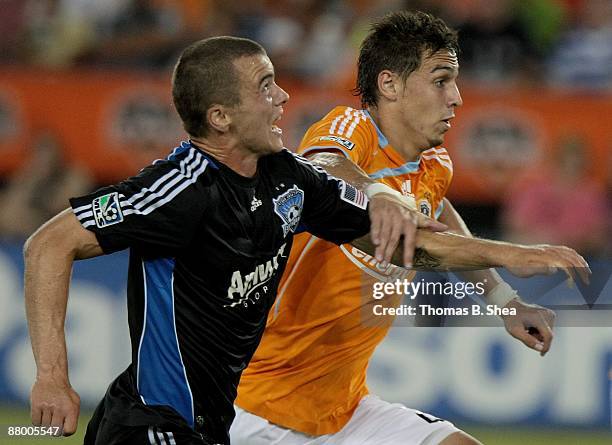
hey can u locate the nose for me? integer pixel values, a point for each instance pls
(455, 97)
(281, 96)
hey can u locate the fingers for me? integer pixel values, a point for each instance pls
(410, 229)
(530, 341)
(571, 278)
(384, 233)
(55, 407)
(375, 226)
(394, 235)
(389, 220)
(544, 259)
(58, 421)
(36, 414)
(545, 336)
(47, 415)
(423, 222)
(533, 325)
(70, 424)
(576, 262)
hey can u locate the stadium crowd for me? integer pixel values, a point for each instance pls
(563, 42)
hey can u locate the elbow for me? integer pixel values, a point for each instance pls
(52, 238)
(35, 244)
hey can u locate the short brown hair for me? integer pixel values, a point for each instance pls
(397, 43)
(205, 75)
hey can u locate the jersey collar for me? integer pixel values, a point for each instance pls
(406, 167)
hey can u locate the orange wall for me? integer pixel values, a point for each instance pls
(115, 123)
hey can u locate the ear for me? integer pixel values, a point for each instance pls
(218, 118)
(388, 85)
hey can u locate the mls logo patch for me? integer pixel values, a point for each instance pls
(425, 207)
(289, 207)
(106, 210)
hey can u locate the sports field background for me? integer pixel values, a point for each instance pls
(489, 435)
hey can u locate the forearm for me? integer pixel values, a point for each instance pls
(46, 281)
(458, 253)
(484, 274)
(48, 257)
(445, 251)
(340, 167)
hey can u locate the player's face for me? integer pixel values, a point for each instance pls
(429, 98)
(254, 120)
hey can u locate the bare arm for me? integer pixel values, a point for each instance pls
(390, 216)
(457, 249)
(49, 254)
(520, 260)
(532, 324)
(446, 251)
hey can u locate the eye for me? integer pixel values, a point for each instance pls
(439, 83)
(265, 87)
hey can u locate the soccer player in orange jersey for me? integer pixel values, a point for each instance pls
(307, 381)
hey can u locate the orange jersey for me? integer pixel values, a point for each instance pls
(309, 372)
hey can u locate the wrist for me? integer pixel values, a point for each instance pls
(501, 295)
(376, 188)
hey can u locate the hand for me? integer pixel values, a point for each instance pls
(54, 404)
(391, 218)
(526, 261)
(532, 324)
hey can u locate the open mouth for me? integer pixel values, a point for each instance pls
(446, 121)
(275, 128)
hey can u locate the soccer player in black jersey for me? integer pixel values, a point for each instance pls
(209, 230)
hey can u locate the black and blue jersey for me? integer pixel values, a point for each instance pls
(207, 250)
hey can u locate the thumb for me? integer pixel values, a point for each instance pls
(424, 222)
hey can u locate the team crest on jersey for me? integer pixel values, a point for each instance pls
(344, 142)
(106, 210)
(425, 207)
(289, 207)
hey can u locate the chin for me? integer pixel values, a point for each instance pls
(277, 145)
(434, 142)
(273, 148)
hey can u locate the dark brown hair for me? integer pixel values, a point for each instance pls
(397, 43)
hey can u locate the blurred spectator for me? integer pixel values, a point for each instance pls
(54, 35)
(495, 43)
(13, 23)
(560, 206)
(304, 38)
(583, 56)
(146, 34)
(40, 189)
(608, 186)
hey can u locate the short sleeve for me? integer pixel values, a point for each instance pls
(333, 209)
(345, 130)
(158, 211)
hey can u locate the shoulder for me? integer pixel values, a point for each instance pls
(438, 157)
(343, 128)
(185, 164)
(295, 163)
(342, 121)
(184, 171)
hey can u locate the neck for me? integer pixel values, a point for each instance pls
(241, 161)
(394, 131)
